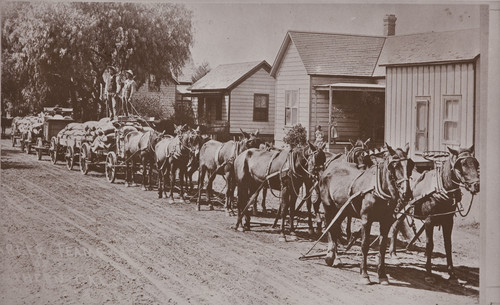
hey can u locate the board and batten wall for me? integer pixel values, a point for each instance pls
(406, 84)
(291, 75)
(242, 103)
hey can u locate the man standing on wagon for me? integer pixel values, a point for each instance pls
(111, 90)
(128, 91)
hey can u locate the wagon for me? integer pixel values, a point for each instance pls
(56, 119)
(111, 157)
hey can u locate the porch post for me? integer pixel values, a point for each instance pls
(330, 102)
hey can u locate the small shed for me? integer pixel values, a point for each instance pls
(234, 96)
(431, 81)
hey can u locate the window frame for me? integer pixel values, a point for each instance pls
(296, 93)
(446, 98)
(427, 101)
(266, 119)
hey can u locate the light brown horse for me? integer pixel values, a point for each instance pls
(173, 154)
(439, 190)
(285, 170)
(140, 146)
(216, 158)
(373, 194)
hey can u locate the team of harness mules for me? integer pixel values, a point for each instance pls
(372, 185)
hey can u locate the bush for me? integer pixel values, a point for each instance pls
(296, 136)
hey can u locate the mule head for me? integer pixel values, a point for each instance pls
(316, 158)
(250, 140)
(465, 168)
(357, 154)
(400, 168)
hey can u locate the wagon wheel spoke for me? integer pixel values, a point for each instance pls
(110, 167)
(70, 158)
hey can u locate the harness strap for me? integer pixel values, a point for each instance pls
(217, 151)
(379, 192)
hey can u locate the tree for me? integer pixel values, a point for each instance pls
(57, 52)
(200, 71)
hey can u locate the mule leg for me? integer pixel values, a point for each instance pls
(332, 237)
(447, 225)
(201, 178)
(385, 225)
(126, 171)
(285, 192)
(160, 179)
(429, 247)
(291, 207)
(242, 202)
(230, 194)
(227, 206)
(173, 169)
(144, 173)
(182, 173)
(366, 225)
(263, 204)
(211, 177)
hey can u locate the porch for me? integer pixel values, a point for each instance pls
(211, 114)
(349, 111)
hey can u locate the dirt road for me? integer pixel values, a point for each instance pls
(73, 239)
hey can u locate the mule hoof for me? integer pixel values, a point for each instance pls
(198, 208)
(383, 281)
(293, 237)
(282, 239)
(329, 260)
(429, 279)
(311, 232)
(210, 207)
(126, 184)
(365, 281)
(144, 188)
(240, 229)
(171, 201)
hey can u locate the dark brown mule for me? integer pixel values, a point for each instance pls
(440, 192)
(216, 158)
(374, 194)
(290, 169)
(140, 146)
(173, 154)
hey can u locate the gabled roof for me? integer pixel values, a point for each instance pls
(433, 47)
(333, 54)
(226, 77)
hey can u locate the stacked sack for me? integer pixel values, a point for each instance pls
(26, 123)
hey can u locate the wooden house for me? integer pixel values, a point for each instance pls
(431, 81)
(235, 96)
(330, 80)
(164, 95)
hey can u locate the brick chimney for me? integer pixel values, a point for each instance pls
(390, 25)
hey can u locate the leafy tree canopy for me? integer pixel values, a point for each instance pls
(55, 52)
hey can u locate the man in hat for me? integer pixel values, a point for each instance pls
(128, 91)
(111, 90)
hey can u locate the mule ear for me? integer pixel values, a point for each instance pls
(407, 148)
(322, 147)
(352, 142)
(471, 149)
(452, 151)
(311, 146)
(244, 133)
(197, 129)
(257, 133)
(389, 149)
(367, 142)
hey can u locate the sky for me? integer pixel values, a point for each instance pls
(231, 33)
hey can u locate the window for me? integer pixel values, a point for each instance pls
(451, 115)
(153, 84)
(260, 107)
(291, 107)
(422, 124)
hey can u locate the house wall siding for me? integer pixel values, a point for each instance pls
(291, 75)
(404, 84)
(242, 100)
(166, 97)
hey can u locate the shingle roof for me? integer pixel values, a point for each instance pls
(336, 54)
(226, 76)
(431, 47)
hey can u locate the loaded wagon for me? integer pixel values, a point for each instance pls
(107, 150)
(54, 120)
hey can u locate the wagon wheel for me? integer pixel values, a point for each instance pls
(53, 150)
(22, 144)
(13, 138)
(111, 167)
(39, 149)
(70, 158)
(84, 158)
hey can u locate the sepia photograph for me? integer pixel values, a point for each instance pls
(246, 152)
